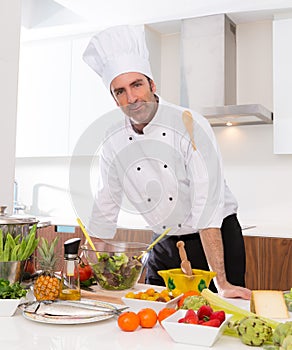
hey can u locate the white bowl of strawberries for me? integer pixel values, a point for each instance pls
(202, 327)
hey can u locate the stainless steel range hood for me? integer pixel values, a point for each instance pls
(208, 73)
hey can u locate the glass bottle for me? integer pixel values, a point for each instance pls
(70, 282)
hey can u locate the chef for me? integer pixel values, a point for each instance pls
(164, 160)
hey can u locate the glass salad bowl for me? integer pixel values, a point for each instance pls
(116, 265)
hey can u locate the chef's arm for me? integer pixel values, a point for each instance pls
(213, 247)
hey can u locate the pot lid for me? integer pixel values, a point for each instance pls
(15, 220)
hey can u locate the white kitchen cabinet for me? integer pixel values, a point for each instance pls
(44, 98)
(282, 58)
(89, 97)
(59, 97)
(10, 24)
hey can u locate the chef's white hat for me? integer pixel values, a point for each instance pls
(118, 50)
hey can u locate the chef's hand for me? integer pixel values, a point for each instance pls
(228, 290)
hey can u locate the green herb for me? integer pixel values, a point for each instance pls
(11, 290)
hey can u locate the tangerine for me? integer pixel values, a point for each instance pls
(165, 312)
(148, 318)
(128, 321)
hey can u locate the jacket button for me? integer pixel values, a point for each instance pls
(164, 227)
(170, 198)
(130, 138)
(179, 225)
(165, 165)
(138, 168)
(164, 134)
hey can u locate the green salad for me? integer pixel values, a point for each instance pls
(117, 271)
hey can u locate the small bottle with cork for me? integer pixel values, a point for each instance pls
(70, 282)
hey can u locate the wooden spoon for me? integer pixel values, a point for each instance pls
(185, 264)
(189, 124)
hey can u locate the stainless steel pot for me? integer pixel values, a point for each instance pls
(12, 270)
(15, 224)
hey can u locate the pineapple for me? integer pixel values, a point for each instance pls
(47, 286)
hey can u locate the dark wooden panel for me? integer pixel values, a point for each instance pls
(276, 267)
(127, 235)
(252, 248)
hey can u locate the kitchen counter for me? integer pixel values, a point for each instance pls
(19, 333)
(268, 229)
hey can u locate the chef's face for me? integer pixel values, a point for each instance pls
(134, 93)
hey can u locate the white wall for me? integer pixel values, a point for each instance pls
(43, 186)
(254, 63)
(260, 180)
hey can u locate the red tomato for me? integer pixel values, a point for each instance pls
(85, 272)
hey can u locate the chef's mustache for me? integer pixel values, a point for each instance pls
(140, 111)
(135, 106)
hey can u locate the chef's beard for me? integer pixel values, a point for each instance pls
(140, 112)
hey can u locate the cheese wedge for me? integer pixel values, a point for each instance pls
(268, 303)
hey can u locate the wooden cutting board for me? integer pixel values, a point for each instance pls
(113, 296)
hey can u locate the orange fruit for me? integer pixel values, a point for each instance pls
(148, 318)
(128, 321)
(150, 292)
(185, 295)
(165, 312)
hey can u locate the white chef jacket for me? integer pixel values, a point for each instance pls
(163, 177)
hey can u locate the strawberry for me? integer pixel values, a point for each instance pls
(219, 315)
(190, 313)
(192, 320)
(191, 317)
(204, 312)
(212, 323)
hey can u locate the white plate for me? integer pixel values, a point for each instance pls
(138, 304)
(72, 319)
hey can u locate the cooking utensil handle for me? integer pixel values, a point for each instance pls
(181, 249)
(83, 229)
(154, 242)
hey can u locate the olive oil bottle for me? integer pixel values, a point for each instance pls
(70, 282)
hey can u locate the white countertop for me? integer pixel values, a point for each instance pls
(268, 229)
(19, 333)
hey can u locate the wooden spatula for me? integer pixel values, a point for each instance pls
(185, 264)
